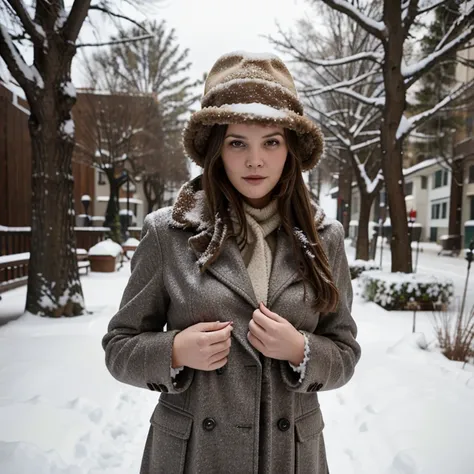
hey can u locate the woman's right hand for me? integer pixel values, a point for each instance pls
(203, 346)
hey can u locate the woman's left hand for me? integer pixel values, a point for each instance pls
(275, 336)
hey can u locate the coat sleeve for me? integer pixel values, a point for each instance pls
(333, 349)
(137, 349)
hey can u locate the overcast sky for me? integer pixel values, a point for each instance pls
(210, 28)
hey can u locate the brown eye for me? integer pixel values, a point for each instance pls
(272, 143)
(236, 144)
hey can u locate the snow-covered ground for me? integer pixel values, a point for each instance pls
(406, 411)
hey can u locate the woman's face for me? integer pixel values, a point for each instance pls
(254, 157)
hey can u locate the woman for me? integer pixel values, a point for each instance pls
(252, 283)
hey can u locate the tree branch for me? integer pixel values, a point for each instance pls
(411, 14)
(27, 76)
(35, 31)
(120, 41)
(103, 9)
(414, 72)
(75, 20)
(351, 82)
(376, 28)
(407, 125)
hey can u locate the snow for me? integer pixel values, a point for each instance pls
(131, 242)
(30, 72)
(249, 55)
(106, 247)
(468, 223)
(407, 410)
(67, 128)
(13, 257)
(69, 89)
(377, 25)
(420, 166)
(260, 110)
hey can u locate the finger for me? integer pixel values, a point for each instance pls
(276, 317)
(263, 321)
(218, 364)
(220, 335)
(256, 330)
(256, 342)
(219, 356)
(213, 326)
(220, 346)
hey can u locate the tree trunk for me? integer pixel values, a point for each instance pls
(345, 191)
(392, 156)
(112, 214)
(363, 239)
(455, 205)
(54, 288)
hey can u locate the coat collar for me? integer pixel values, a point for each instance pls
(190, 212)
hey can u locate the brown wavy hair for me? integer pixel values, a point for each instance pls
(294, 207)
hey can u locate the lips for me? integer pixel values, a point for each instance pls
(254, 179)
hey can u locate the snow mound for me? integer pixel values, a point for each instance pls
(106, 247)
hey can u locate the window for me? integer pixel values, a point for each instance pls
(433, 234)
(409, 188)
(101, 178)
(424, 182)
(435, 211)
(440, 179)
(471, 174)
(444, 210)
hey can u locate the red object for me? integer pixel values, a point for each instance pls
(412, 215)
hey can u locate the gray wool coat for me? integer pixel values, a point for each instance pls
(252, 416)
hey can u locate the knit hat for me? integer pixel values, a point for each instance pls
(251, 88)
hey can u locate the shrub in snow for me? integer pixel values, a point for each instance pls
(106, 248)
(358, 266)
(398, 291)
(456, 336)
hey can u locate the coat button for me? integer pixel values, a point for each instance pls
(150, 386)
(163, 388)
(312, 387)
(319, 386)
(209, 424)
(283, 424)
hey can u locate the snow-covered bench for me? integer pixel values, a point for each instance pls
(14, 268)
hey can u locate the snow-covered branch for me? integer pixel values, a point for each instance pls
(372, 101)
(368, 55)
(374, 27)
(413, 72)
(429, 5)
(408, 124)
(27, 76)
(114, 42)
(31, 28)
(311, 92)
(75, 20)
(360, 146)
(370, 185)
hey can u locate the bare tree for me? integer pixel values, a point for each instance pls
(158, 66)
(120, 134)
(51, 32)
(393, 28)
(347, 122)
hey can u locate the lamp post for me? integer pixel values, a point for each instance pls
(469, 258)
(86, 200)
(381, 220)
(411, 221)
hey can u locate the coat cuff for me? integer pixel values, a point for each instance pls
(330, 366)
(301, 369)
(158, 359)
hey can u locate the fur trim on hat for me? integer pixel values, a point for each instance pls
(198, 129)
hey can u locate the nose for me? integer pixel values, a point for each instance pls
(254, 159)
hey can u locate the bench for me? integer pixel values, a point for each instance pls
(14, 268)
